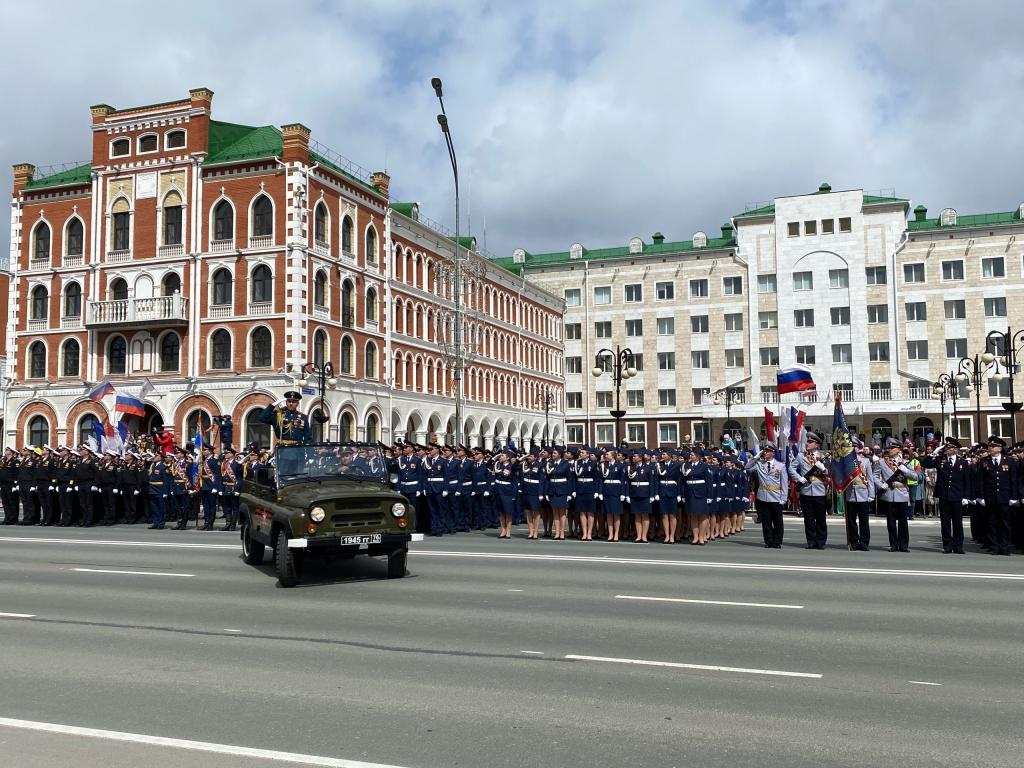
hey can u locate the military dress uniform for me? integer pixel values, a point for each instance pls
(65, 477)
(230, 476)
(858, 497)
(85, 482)
(697, 478)
(27, 489)
(410, 478)
(951, 489)
(209, 489)
(290, 427)
(895, 498)
(613, 486)
(772, 487)
(810, 474)
(158, 485)
(8, 483)
(484, 515)
(434, 489)
(999, 481)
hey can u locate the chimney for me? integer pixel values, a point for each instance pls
(23, 173)
(100, 112)
(381, 182)
(295, 143)
(920, 213)
(201, 97)
(657, 238)
(727, 231)
(199, 124)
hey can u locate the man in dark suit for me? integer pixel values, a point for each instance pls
(999, 482)
(951, 489)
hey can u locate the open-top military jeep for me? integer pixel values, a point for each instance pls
(330, 500)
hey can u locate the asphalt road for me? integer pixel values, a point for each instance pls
(507, 653)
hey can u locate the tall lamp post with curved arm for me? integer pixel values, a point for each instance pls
(1009, 344)
(946, 387)
(546, 400)
(972, 370)
(622, 369)
(729, 397)
(325, 379)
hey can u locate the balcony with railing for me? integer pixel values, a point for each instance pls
(73, 260)
(261, 308)
(118, 257)
(156, 310)
(71, 322)
(34, 263)
(220, 311)
(39, 325)
(321, 312)
(222, 246)
(872, 395)
(170, 251)
(261, 241)
(321, 248)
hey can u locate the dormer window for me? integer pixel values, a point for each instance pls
(175, 139)
(120, 148)
(576, 251)
(148, 144)
(636, 245)
(947, 217)
(518, 256)
(700, 240)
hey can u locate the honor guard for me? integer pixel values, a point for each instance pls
(772, 485)
(209, 486)
(809, 470)
(435, 489)
(858, 498)
(9, 486)
(159, 484)
(86, 479)
(483, 501)
(951, 481)
(290, 426)
(230, 474)
(999, 481)
(894, 472)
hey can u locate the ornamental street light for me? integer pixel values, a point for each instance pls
(946, 386)
(728, 396)
(1009, 344)
(546, 400)
(325, 379)
(972, 370)
(459, 363)
(622, 368)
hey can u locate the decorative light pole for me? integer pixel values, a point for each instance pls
(728, 396)
(1009, 344)
(442, 120)
(972, 370)
(622, 369)
(325, 379)
(546, 400)
(946, 386)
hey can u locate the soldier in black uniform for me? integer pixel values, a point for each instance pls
(46, 469)
(86, 482)
(65, 484)
(999, 481)
(108, 475)
(290, 426)
(27, 487)
(8, 482)
(132, 483)
(951, 489)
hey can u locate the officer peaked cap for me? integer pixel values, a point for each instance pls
(292, 395)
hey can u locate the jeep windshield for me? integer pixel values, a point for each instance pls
(330, 461)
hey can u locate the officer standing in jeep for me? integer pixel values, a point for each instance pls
(290, 426)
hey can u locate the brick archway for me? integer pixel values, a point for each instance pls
(78, 410)
(28, 411)
(186, 406)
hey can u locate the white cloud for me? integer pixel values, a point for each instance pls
(578, 120)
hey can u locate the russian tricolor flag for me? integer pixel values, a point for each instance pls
(795, 379)
(101, 390)
(130, 404)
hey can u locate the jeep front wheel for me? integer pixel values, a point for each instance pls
(396, 564)
(285, 562)
(252, 550)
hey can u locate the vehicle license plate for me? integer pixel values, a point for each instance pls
(366, 538)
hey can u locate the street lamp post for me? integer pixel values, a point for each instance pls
(1010, 344)
(622, 368)
(946, 386)
(728, 396)
(442, 120)
(325, 379)
(972, 370)
(546, 400)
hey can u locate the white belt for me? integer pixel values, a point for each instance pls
(469, 483)
(695, 482)
(528, 480)
(612, 482)
(639, 483)
(585, 480)
(559, 480)
(435, 479)
(503, 482)
(668, 482)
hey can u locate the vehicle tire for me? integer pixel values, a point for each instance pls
(285, 562)
(252, 550)
(396, 563)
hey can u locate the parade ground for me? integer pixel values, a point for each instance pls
(126, 647)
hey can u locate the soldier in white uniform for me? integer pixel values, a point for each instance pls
(772, 481)
(894, 472)
(809, 471)
(859, 495)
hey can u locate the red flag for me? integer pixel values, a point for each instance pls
(108, 428)
(769, 425)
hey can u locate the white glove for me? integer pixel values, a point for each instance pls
(76, 488)
(622, 498)
(679, 498)
(237, 493)
(981, 502)
(280, 403)
(32, 489)
(458, 493)
(573, 495)
(94, 488)
(801, 481)
(419, 493)
(657, 498)
(965, 502)
(487, 493)
(1014, 502)
(16, 488)
(599, 496)
(444, 493)
(165, 496)
(717, 500)
(51, 488)
(819, 465)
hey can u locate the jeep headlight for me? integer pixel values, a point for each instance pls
(398, 509)
(317, 514)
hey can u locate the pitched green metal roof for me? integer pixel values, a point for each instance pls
(622, 252)
(876, 200)
(765, 210)
(406, 209)
(230, 142)
(963, 222)
(80, 174)
(315, 157)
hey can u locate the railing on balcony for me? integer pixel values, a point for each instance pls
(39, 325)
(38, 263)
(150, 310)
(71, 321)
(321, 312)
(347, 317)
(76, 260)
(221, 311)
(321, 247)
(220, 246)
(261, 241)
(170, 251)
(348, 255)
(827, 397)
(261, 308)
(117, 257)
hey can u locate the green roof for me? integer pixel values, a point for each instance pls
(963, 222)
(622, 252)
(230, 142)
(769, 209)
(80, 174)
(406, 209)
(876, 200)
(318, 158)
(764, 210)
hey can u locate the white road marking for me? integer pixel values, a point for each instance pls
(115, 543)
(922, 682)
(195, 746)
(728, 566)
(17, 615)
(706, 602)
(515, 590)
(704, 667)
(534, 653)
(133, 573)
(232, 630)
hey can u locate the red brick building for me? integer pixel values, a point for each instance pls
(217, 259)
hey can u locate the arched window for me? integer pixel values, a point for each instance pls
(347, 311)
(260, 355)
(41, 246)
(346, 354)
(345, 429)
(149, 143)
(75, 237)
(320, 224)
(70, 357)
(170, 352)
(317, 420)
(262, 217)
(73, 300)
(223, 221)
(222, 287)
(197, 419)
(172, 217)
(175, 139)
(40, 303)
(372, 428)
(320, 289)
(86, 428)
(121, 232)
(120, 148)
(371, 244)
(371, 305)
(881, 428)
(118, 289)
(38, 431)
(117, 355)
(256, 431)
(220, 350)
(37, 360)
(170, 285)
(262, 285)
(346, 235)
(319, 347)
(370, 361)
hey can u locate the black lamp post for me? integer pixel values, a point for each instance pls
(972, 370)
(622, 368)
(1009, 344)
(946, 386)
(442, 120)
(546, 400)
(325, 379)
(728, 396)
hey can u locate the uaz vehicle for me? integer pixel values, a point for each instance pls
(330, 500)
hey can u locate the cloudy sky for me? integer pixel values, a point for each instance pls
(573, 120)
